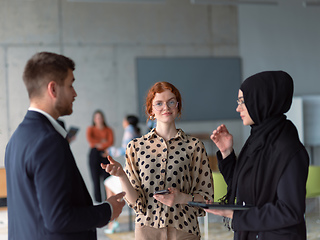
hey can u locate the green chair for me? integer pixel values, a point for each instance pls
(220, 189)
(313, 182)
(220, 186)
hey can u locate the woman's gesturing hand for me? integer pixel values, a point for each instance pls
(114, 168)
(223, 140)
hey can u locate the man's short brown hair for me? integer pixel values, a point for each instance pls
(44, 67)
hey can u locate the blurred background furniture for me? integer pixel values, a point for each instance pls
(220, 189)
(313, 184)
(220, 186)
(3, 188)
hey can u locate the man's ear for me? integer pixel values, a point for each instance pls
(52, 89)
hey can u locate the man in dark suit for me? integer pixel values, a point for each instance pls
(47, 197)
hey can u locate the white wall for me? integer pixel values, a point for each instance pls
(104, 39)
(295, 114)
(283, 37)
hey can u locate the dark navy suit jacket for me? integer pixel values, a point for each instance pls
(47, 197)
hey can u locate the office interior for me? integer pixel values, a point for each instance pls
(105, 38)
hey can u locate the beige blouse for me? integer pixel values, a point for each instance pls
(155, 164)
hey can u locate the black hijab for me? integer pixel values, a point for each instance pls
(272, 141)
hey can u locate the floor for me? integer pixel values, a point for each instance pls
(216, 229)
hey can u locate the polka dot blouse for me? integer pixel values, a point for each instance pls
(155, 164)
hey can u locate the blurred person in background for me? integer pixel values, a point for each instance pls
(100, 137)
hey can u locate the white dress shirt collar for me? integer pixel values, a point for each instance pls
(54, 123)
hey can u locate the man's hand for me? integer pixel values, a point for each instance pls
(117, 203)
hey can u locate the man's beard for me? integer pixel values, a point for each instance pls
(63, 108)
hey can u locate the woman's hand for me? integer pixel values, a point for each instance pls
(223, 140)
(114, 168)
(223, 213)
(172, 198)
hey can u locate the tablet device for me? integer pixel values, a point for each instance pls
(219, 206)
(72, 132)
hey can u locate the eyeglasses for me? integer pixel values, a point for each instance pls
(159, 106)
(240, 101)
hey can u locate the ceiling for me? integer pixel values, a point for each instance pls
(304, 3)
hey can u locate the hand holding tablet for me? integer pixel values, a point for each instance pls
(219, 206)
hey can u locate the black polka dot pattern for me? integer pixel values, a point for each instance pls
(155, 164)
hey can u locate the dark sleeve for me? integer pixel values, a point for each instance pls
(226, 166)
(64, 202)
(289, 208)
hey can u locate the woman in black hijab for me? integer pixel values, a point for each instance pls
(271, 170)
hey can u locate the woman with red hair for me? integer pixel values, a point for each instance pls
(166, 160)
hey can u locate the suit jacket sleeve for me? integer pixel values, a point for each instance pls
(64, 201)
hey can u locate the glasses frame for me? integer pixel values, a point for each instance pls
(240, 101)
(166, 103)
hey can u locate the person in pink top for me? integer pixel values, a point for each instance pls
(100, 137)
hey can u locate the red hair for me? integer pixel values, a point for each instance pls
(160, 87)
